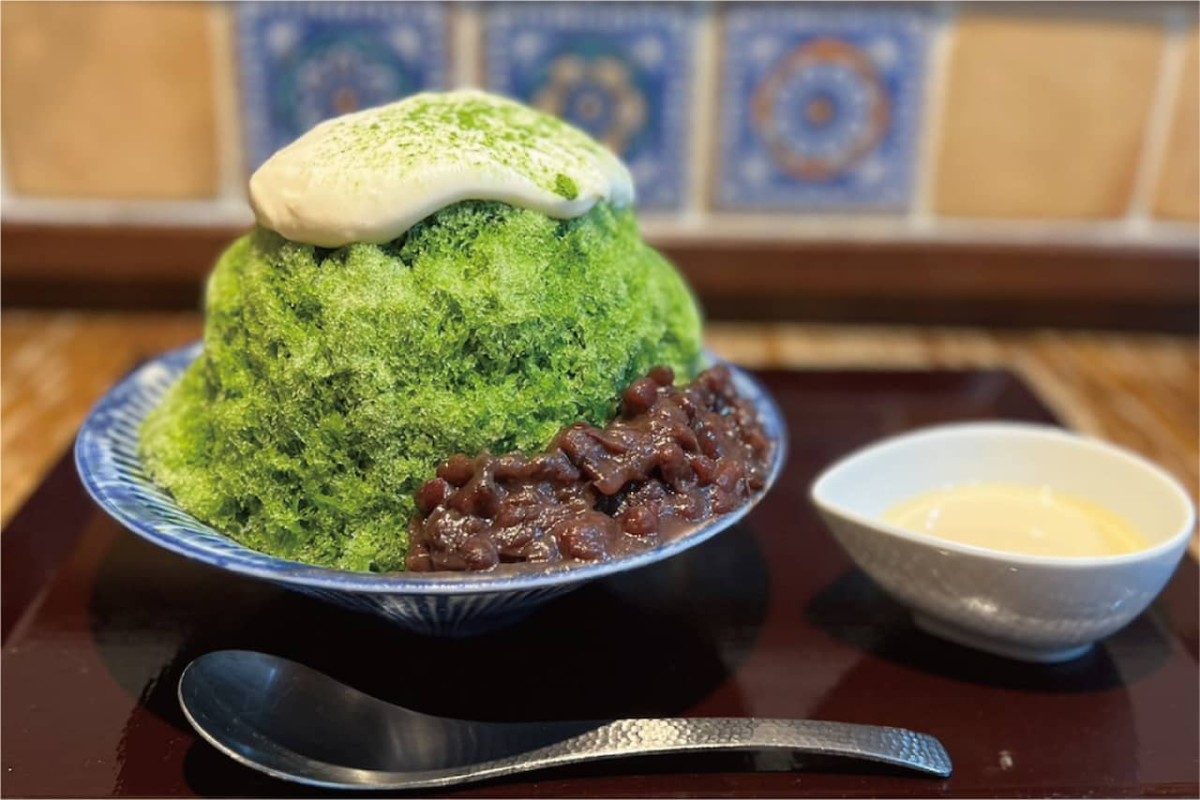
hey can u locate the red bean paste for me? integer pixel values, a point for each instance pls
(672, 458)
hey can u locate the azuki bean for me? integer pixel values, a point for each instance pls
(675, 456)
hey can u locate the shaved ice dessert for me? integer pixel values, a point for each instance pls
(452, 273)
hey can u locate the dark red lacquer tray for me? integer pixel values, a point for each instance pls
(768, 619)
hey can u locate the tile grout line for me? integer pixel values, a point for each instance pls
(5, 190)
(211, 214)
(215, 213)
(466, 44)
(230, 164)
(703, 115)
(921, 214)
(1157, 130)
(945, 230)
(199, 214)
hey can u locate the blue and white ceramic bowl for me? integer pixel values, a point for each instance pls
(106, 455)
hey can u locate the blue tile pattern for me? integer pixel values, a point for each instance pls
(109, 464)
(622, 72)
(305, 62)
(820, 106)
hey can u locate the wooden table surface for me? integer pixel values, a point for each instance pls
(1142, 392)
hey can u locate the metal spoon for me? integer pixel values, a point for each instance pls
(295, 723)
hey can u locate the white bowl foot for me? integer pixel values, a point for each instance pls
(958, 635)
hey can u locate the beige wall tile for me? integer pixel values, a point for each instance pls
(108, 100)
(1179, 184)
(1044, 117)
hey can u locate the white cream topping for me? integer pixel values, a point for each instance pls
(371, 175)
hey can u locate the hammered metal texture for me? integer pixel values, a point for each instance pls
(640, 737)
(637, 737)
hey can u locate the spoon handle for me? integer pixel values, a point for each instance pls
(636, 737)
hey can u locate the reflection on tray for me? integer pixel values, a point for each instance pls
(647, 643)
(858, 613)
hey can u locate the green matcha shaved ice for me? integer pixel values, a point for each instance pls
(334, 381)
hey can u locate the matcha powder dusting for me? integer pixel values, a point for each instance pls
(333, 381)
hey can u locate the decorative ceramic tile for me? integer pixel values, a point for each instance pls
(1045, 116)
(820, 107)
(305, 62)
(109, 100)
(622, 72)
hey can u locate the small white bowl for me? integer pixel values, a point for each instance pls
(1033, 608)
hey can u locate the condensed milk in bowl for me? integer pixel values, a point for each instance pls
(1026, 541)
